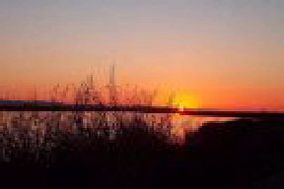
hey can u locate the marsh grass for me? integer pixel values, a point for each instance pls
(36, 137)
(132, 150)
(114, 150)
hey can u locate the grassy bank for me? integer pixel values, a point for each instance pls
(240, 154)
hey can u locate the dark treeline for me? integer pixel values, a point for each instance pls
(49, 106)
(234, 154)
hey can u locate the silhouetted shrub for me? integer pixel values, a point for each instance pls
(131, 154)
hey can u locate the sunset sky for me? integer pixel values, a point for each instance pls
(221, 53)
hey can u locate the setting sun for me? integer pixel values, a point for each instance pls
(183, 101)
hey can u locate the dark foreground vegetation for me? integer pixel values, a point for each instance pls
(233, 154)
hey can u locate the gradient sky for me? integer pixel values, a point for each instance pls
(225, 53)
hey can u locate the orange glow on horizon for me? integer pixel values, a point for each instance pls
(184, 100)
